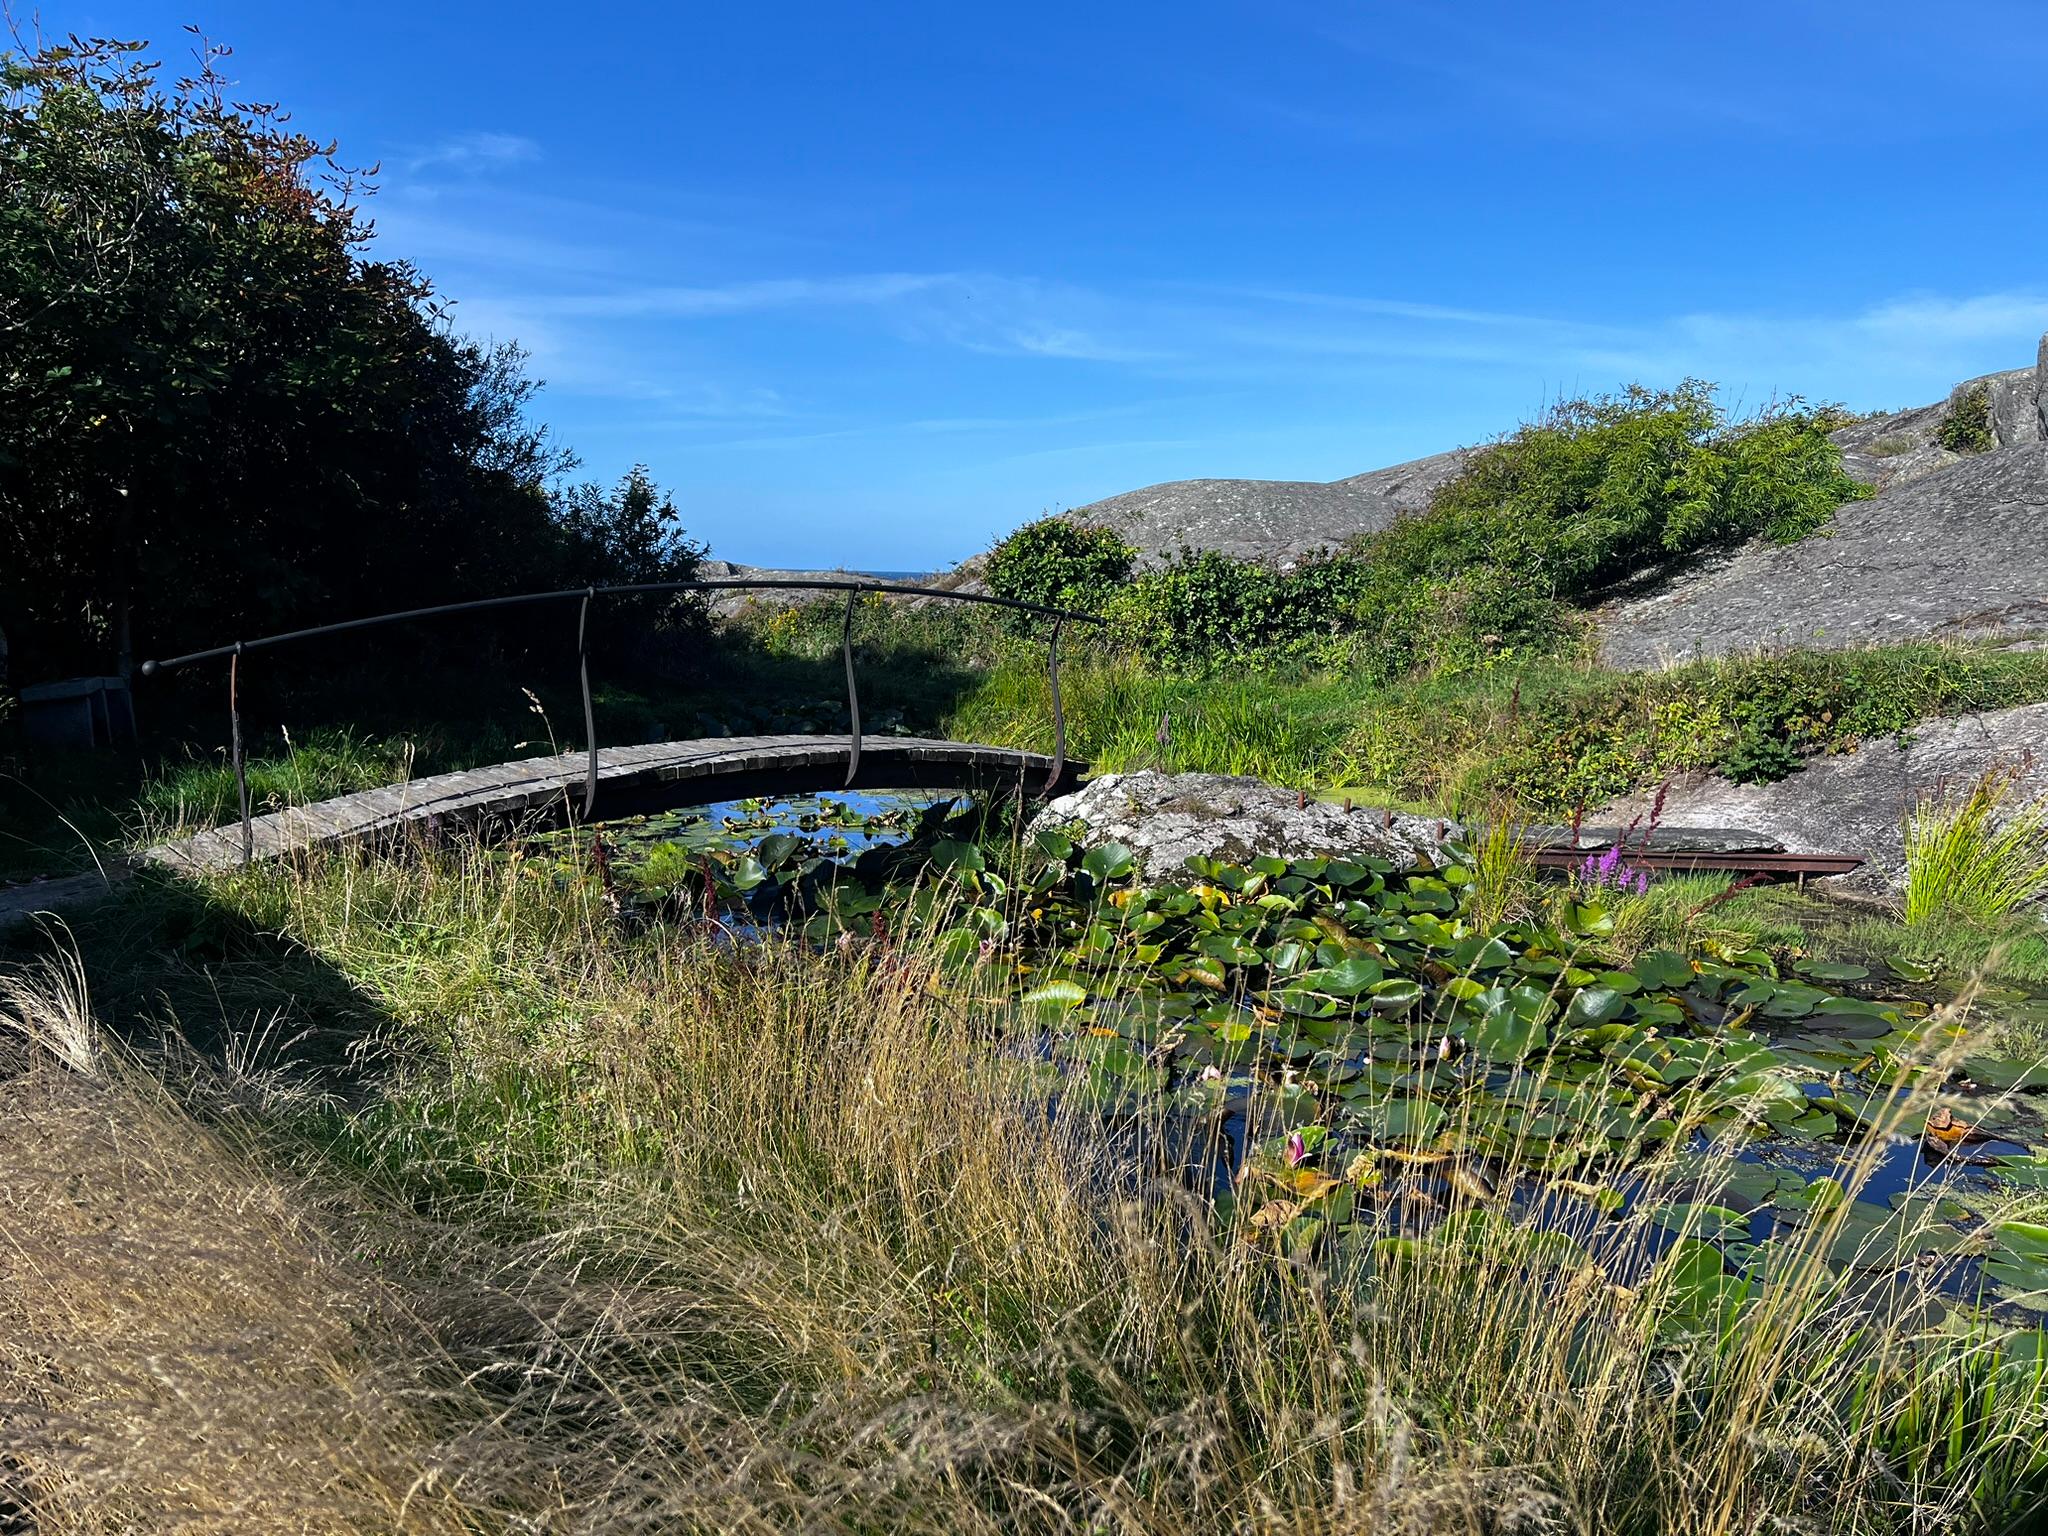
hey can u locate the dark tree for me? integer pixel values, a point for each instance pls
(219, 413)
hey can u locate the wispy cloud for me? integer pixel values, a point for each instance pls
(688, 356)
(669, 301)
(978, 311)
(475, 152)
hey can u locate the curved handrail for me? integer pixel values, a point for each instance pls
(853, 587)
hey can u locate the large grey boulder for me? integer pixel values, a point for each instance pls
(1858, 802)
(2017, 401)
(1959, 554)
(1280, 521)
(1165, 818)
(1413, 485)
(1903, 446)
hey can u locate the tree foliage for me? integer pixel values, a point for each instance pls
(220, 413)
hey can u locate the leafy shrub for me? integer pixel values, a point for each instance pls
(1495, 569)
(1553, 737)
(1599, 489)
(1967, 426)
(1061, 564)
(1605, 486)
(1757, 757)
(1203, 605)
(194, 306)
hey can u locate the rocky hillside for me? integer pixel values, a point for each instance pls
(1277, 520)
(1952, 545)
(1274, 520)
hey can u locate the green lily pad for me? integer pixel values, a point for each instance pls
(1589, 920)
(1348, 977)
(1504, 1035)
(1706, 1223)
(1056, 996)
(1594, 1005)
(1833, 970)
(1661, 971)
(2004, 1072)
(1401, 1119)
(1109, 861)
(1482, 954)
(1306, 1003)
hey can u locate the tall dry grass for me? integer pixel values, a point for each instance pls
(646, 1231)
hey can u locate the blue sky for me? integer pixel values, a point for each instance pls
(869, 284)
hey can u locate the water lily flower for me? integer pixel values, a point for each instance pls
(1297, 1149)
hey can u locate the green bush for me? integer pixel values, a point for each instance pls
(1605, 486)
(1551, 737)
(1203, 605)
(1967, 426)
(1060, 564)
(1975, 858)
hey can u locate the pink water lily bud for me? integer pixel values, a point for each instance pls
(1297, 1149)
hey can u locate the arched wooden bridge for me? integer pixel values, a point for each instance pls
(628, 780)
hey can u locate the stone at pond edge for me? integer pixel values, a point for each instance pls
(1166, 818)
(1857, 802)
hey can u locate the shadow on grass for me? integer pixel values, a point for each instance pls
(163, 960)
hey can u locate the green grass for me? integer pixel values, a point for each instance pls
(1549, 736)
(1122, 716)
(766, 1240)
(1973, 858)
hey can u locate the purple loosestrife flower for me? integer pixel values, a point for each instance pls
(1610, 871)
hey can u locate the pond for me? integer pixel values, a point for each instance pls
(1342, 1058)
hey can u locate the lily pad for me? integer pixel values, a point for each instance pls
(1109, 861)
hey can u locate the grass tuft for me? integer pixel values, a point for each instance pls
(1972, 858)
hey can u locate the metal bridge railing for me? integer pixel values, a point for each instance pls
(584, 596)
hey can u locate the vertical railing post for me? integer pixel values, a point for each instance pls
(852, 691)
(1059, 714)
(589, 715)
(235, 738)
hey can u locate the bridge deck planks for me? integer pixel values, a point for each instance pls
(671, 773)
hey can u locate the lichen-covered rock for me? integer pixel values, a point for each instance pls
(1164, 818)
(1278, 521)
(1858, 802)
